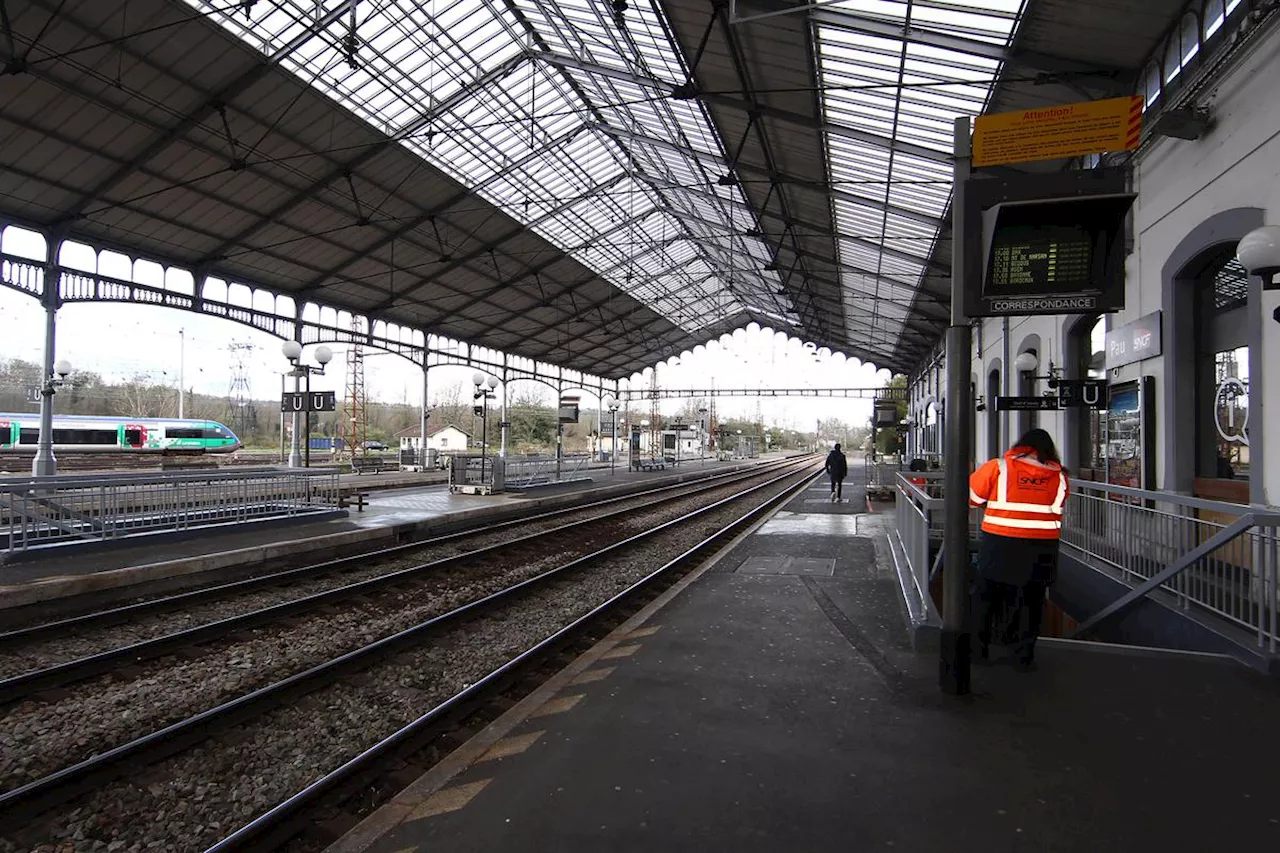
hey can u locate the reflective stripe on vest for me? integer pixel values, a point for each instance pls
(1000, 512)
(1024, 523)
(975, 498)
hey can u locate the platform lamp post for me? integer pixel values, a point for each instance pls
(293, 351)
(485, 390)
(45, 464)
(611, 403)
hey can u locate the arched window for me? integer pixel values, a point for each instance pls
(1151, 83)
(1093, 439)
(993, 416)
(1215, 13)
(932, 440)
(1190, 38)
(1222, 371)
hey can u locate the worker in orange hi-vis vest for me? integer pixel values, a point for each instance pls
(1022, 496)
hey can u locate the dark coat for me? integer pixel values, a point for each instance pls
(1017, 561)
(837, 466)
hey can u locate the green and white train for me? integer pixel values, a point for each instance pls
(20, 433)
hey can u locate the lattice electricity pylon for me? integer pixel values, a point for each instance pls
(242, 415)
(355, 405)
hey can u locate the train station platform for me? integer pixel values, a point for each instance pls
(389, 516)
(773, 701)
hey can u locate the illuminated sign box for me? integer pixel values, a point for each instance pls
(1134, 341)
(1046, 244)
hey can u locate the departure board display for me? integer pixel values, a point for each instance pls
(1045, 244)
(1039, 259)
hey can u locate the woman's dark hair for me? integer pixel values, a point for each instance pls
(1041, 443)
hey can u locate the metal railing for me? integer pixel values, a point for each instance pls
(1217, 557)
(881, 472)
(918, 517)
(42, 511)
(525, 471)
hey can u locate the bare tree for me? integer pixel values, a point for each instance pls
(141, 397)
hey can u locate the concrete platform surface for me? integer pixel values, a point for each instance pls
(785, 711)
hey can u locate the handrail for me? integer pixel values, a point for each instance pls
(1163, 497)
(1222, 558)
(1204, 549)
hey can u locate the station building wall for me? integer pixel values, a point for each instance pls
(1196, 198)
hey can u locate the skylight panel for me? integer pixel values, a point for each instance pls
(929, 87)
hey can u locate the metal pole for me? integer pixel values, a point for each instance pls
(502, 427)
(484, 431)
(45, 465)
(613, 428)
(295, 454)
(282, 392)
(953, 671)
(306, 405)
(182, 363)
(426, 415)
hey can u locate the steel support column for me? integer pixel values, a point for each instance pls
(45, 465)
(502, 427)
(953, 671)
(425, 416)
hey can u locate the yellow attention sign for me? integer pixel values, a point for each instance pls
(1070, 130)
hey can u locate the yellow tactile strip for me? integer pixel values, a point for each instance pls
(408, 804)
(559, 705)
(593, 675)
(449, 799)
(513, 745)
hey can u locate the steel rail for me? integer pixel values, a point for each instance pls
(21, 803)
(128, 612)
(21, 686)
(284, 820)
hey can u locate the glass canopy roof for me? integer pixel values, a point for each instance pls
(909, 92)
(546, 109)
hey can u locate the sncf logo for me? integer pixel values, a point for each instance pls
(1032, 480)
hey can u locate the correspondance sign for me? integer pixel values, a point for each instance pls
(1134, 341)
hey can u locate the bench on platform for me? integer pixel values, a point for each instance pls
(373, 466)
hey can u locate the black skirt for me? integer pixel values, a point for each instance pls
(1010, 560)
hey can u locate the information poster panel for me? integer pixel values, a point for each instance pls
(1051, 133)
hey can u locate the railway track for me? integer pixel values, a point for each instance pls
(548, 583)
(51, 654)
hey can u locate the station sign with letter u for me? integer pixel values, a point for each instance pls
(313, 401)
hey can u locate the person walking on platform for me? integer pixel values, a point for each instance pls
(837, 467)
(1022, 495)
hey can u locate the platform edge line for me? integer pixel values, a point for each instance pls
(392, 813)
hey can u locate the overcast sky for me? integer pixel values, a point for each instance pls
(123, 341)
